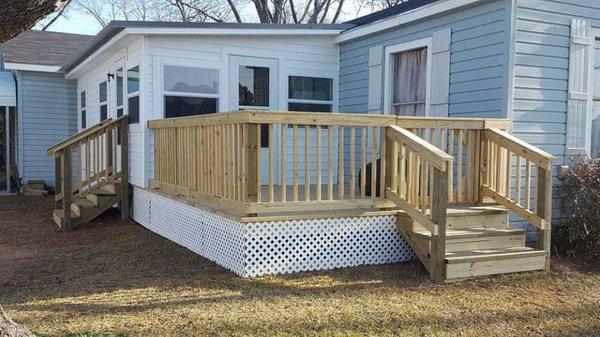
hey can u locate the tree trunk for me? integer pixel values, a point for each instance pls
(17, 16)
(8, 327)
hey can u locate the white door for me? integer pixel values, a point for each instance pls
(596, 111)
(254, 84)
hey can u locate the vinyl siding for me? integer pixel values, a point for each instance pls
(478, 68)
(47, 115)
(542, 71)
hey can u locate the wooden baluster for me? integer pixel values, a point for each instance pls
(498, 176)
(451, 166)
(330, 162)
(508, 173)
(418, 182)
(244, 155)
(78, 170)
(252, 162)
(382, 167)
(373, 163)
(341, 162)
(318, 158)
(518, 180)
(295, 162)
(271, 163)
(88, 163)
(363, 162)
(401, 177)
(424, 185)
(283, 159)
(459, 167)
(352, 163)
(307, 162)
(258, 164)
(527, 185)
(483, 169)
(393, 164)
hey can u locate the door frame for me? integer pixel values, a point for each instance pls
(235, 61)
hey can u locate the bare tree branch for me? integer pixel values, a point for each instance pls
(57, 16)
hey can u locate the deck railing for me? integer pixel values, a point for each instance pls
(90, 159)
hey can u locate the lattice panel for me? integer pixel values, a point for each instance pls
(277, 247)
(216, 238)
(304, 245)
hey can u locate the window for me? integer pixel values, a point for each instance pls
(253, 86)
(190, 91)
(82, 106)
(103, 101)
(409, 82)
(133, 94)
(310, 94)
(119, 101)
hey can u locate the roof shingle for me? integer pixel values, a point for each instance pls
(45, 48)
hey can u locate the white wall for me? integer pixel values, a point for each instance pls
(305, 56)
(129, 57)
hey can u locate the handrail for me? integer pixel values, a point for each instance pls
(327, 118)
(517, 146)
(424, 149)
(81, 135)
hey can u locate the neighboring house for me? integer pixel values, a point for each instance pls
(46, 101)
(531, 61)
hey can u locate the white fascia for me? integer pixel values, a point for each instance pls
(31, 67)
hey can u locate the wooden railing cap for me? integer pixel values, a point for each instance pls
(524, 149)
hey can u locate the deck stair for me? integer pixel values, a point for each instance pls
(478, 243)
(92, 173)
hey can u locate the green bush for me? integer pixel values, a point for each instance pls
(579, 228)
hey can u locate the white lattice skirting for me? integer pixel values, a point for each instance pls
(274, 247)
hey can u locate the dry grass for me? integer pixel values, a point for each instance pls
(119, 278)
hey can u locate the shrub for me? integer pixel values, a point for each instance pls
(579, 228)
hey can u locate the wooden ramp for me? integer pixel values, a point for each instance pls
(478, 243)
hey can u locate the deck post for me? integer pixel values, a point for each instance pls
(124, 202)
(57, 175)
(66, 186)
(483, 166)
(251, 168)
(439, 204)
(544, 211)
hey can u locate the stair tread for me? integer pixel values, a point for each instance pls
(61, 214)
(492, 254)
(475, 210)
(473, 232)
(104, 191)
(85, 203)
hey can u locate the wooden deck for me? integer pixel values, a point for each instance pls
(431, 172)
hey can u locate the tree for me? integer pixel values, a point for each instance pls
(105, 11)
(377, 5)
(17, 16)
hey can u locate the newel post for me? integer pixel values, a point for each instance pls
(124, 197)
(65, 185)
(544, 210)
(439, 205)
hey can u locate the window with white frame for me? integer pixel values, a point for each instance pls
(190, 91)
(103, 98)
(120, 90)
(133, 94)
(82, 109)
(409, 82)
(310, 94)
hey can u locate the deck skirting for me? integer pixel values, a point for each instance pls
(252, 249)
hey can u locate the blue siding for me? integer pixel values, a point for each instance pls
(47, 115)
(478, 70)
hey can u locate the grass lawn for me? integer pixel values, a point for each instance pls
(119, 278)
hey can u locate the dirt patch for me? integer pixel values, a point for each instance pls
(117, 277)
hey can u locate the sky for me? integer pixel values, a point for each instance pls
(79, 23)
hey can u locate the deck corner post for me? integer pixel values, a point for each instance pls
(544, 211)
(439, 205)
(65, 182)
(124, 198)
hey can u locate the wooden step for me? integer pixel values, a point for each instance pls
(480, 262)
(58, 216)
(477, 217)
(109, 189)
(82, 205)
(102, 195)
(477, 238)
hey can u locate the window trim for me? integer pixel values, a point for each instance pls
(390, 51)
(82, 109)
(133, 94)
(289, 100)
(120, 65)
(105, 102)
(165, 93)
